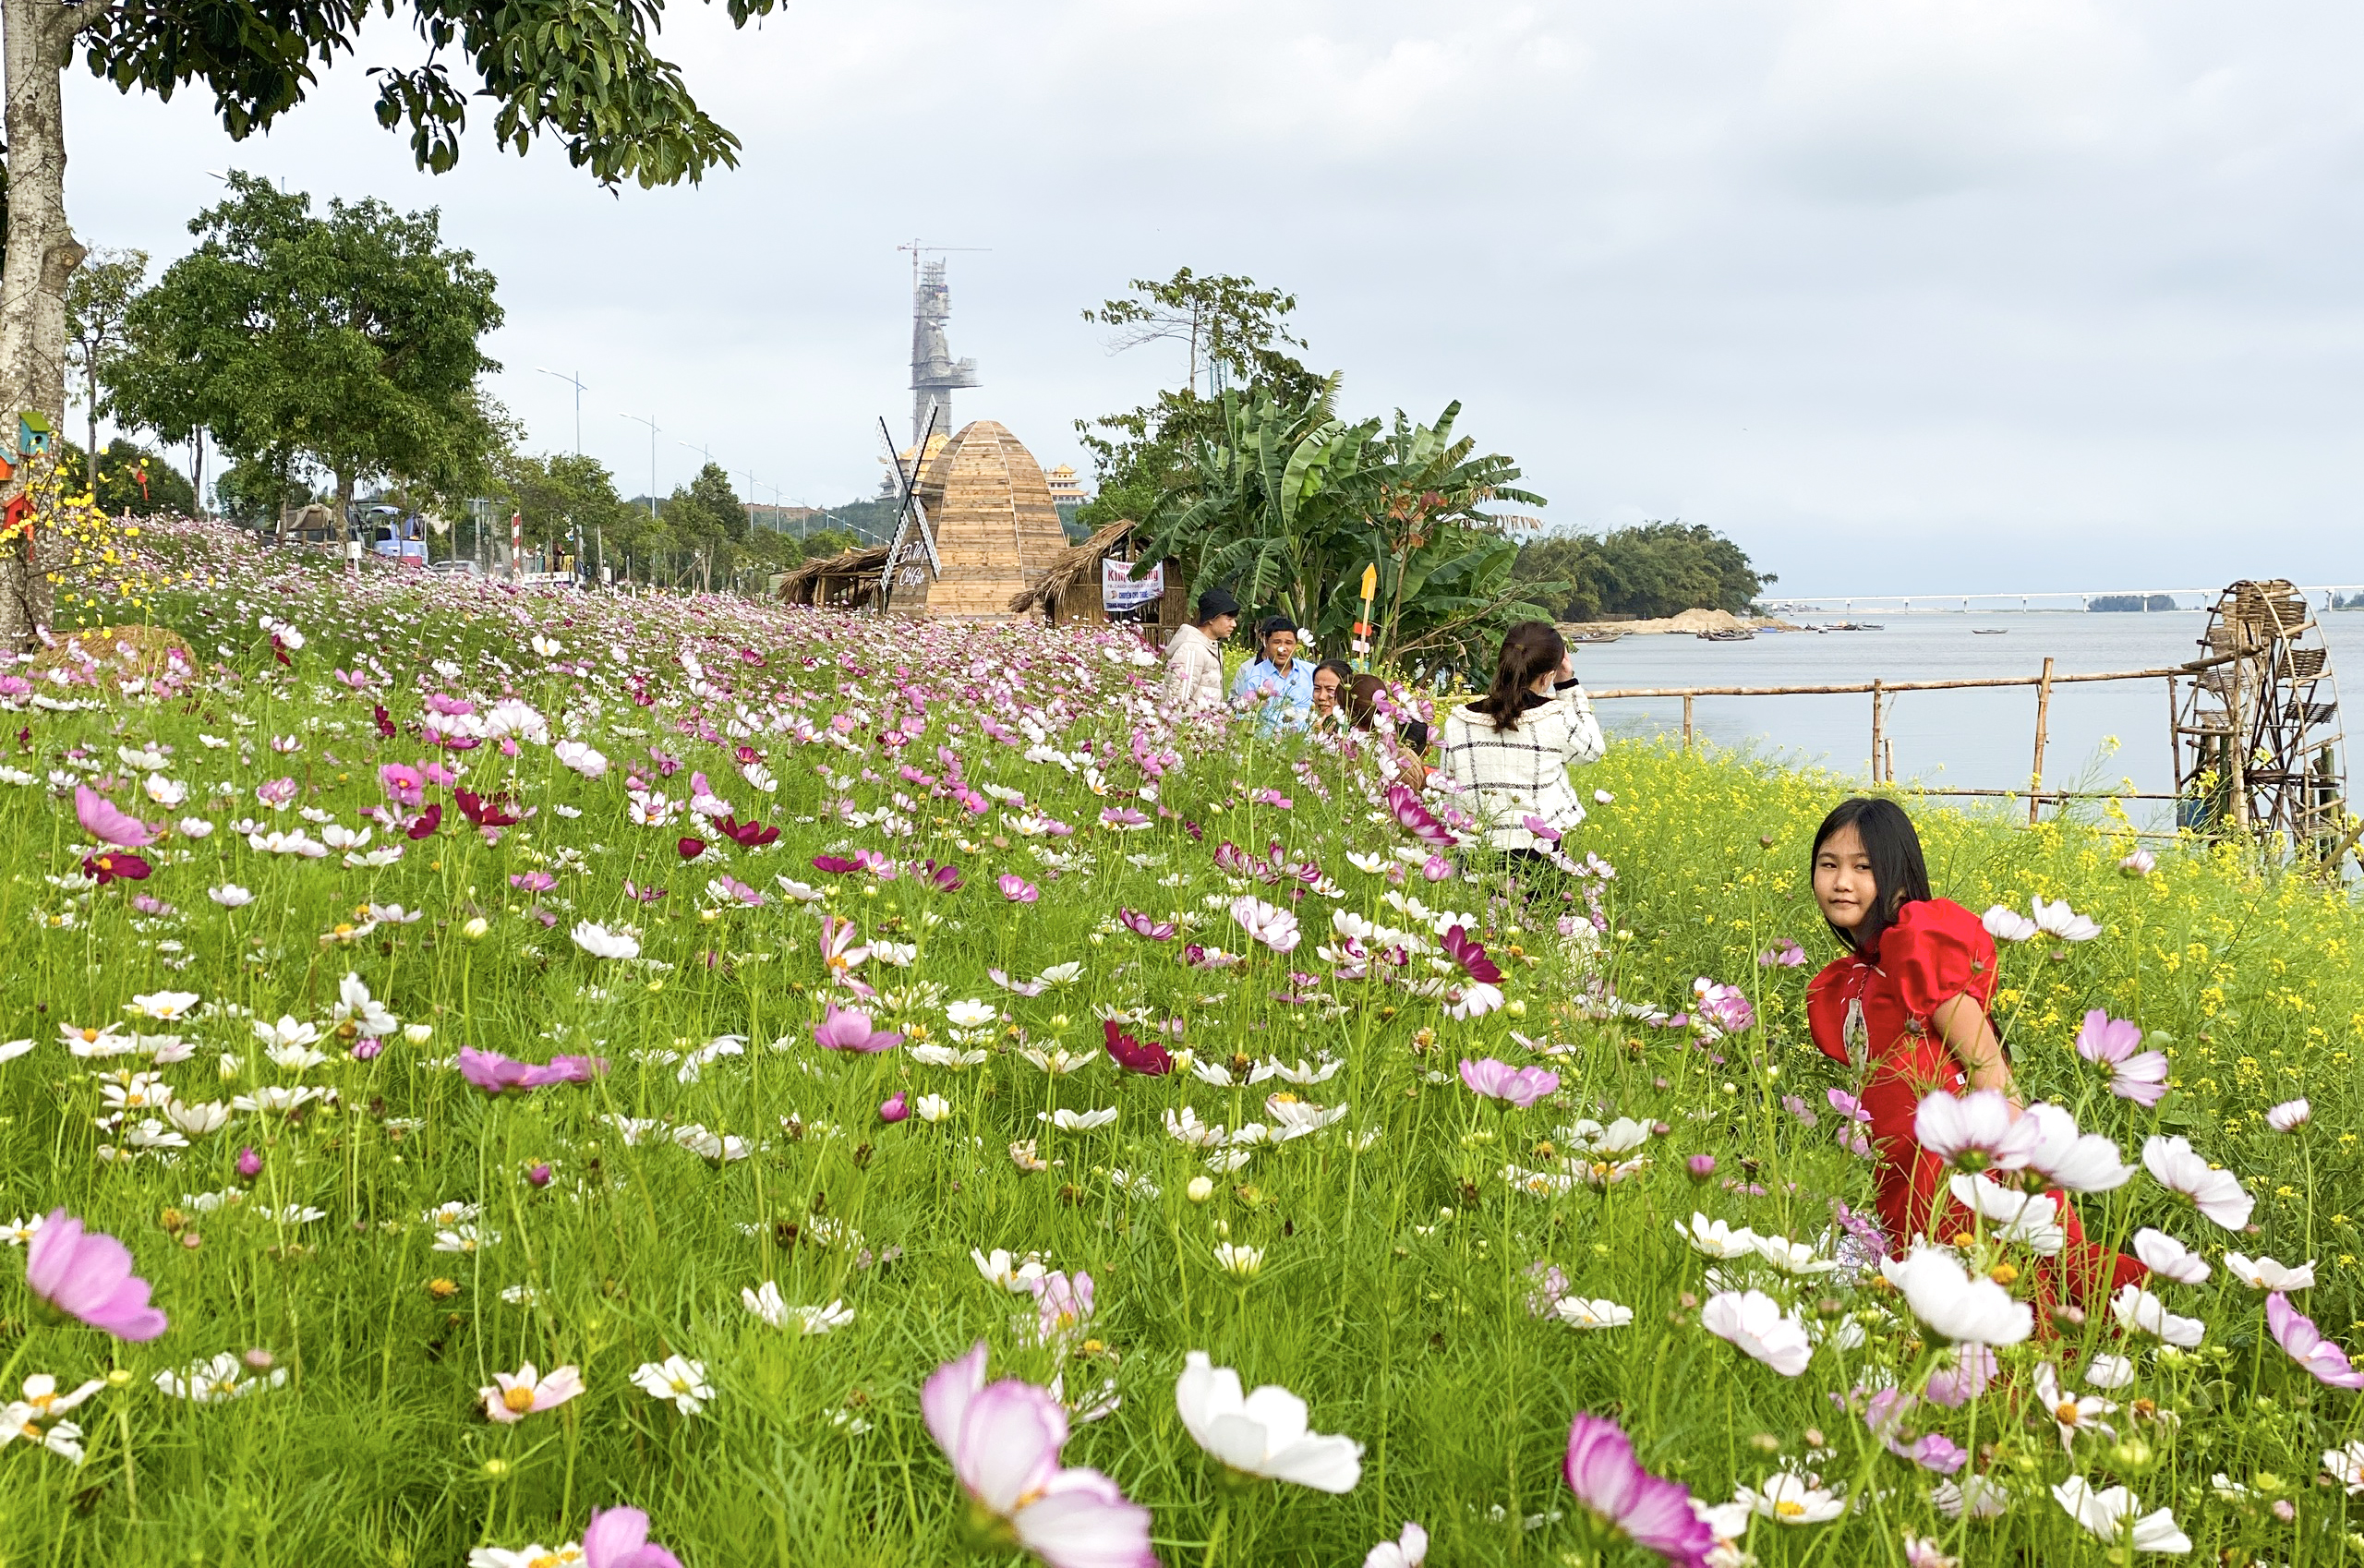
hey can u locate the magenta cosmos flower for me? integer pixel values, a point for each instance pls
(1017, 889)
(2111, 1045)
(1004, 1443)
(86, 1274)
(1521, 1087)
(846, 1029)
(2296, 1332)
(1648, 1510)
(618, 1537)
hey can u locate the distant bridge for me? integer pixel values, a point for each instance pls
(2328, 593)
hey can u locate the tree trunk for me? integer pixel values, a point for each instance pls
(91, 447)
(344, 512)
(36, 39)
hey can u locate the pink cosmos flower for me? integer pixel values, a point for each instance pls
(1653, 1512)
(618, 1537)
(1062, 1305)
(515, 1395)
(533, 881)
(405, 785)
(1017, 889)
(105, 821)
(1273, 926)
(838, 953)
(2290, 1116)
(1004, 1443)
(2110, 1044)
(1495, 1079)
(86, 1274)
(846, 1029)
(1471, 956)
(1124, 818)
(497, 1074)
(2293, 1330)
(1961, 1375)
(115, 865)
(1140, 924)
(1413, 815)
(1783, 954)
(896, 1107)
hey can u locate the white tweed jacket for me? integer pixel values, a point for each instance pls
(1513, 774)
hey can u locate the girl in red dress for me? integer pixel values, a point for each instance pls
(1906, 1005)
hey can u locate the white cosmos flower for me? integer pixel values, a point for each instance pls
(2007, 924)
(1060, 974)
(580, 758)
(195, 827)
(2111, 1513)
(768, 1305)
(167, 792)
(1580, 1313)
(974, 1013)
(1716, 1239)
(198, 1121)
(1370, 865)
(1953, 1305)
(2070, 1160)
(932, 1108)
(2060, 919)
(216, 1382)
(2290, 1116)
(1273, 926)
(1057, 1063)
(2216, 1193)
(1263, 1433)
(2169, 1259)
(1793, 1257)
(1755, 1322)
(2345, 1465)
(944, 1056)
(2264, 1273)
(899, 953)
(1077, 1121)
(2105, 1370)
(1301, 1075)
(1244, 1262)
(230, 895)
(602, 943)
(286, 1032)
(2071, 1415)
(164, 1006)
(1975, 1132)
(2033, 1220)
(1790, 1498)
(2138, 1308)
(1017, 1276)
(11, 1049)
(676, 1380)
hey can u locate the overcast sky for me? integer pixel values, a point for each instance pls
(1901, 295)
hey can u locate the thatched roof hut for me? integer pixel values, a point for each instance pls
(1069, 592)
(845, 581)
(996, 530)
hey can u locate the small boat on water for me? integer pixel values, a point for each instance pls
(1854, 626)
(1990, 631)
(1596, 638)
(1729, 635)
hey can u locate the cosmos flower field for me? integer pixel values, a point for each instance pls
(533, 1078)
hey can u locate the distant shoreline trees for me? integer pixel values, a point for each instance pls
(1647, 572)
(2123, 603)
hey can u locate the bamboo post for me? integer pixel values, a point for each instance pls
(1686, 722)
(1876, 702)
(2175, 750)
(2043, 718)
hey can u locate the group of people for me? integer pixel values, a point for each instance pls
(1905, 1005)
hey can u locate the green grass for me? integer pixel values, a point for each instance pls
(1393, 1292)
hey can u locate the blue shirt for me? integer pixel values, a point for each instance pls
(1292, 699)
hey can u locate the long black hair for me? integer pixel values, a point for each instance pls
(1899, 875)
(1530, 650)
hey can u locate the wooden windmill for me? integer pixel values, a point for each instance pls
(913, 535)
(2259, 746)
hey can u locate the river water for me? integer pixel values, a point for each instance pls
(2100, 735)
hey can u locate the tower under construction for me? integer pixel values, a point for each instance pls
(935, 373)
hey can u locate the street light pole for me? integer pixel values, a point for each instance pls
(575, 380)
(651, 422)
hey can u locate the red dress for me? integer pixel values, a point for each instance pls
(1875, 1010)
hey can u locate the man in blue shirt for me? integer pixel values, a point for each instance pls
(1279, 685)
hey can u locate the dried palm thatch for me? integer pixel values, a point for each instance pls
(1069, 568)
(850, 578)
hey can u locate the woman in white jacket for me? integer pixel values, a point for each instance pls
(1194, 659)
(1510, 748)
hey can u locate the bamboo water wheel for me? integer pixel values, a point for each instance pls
(2257, 730)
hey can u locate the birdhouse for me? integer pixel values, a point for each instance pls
(7, 467)
(32, 432)
(14, 516)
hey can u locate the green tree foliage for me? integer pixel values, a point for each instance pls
(1653, 570)
(97, 303)
(346, 342)
(1233, 333)
(119, 490)
(559, 496)
(1291, 503)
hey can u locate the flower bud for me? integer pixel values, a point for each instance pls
(475, 928)
(1200, 1189)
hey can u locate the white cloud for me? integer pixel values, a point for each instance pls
(1899, 293)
